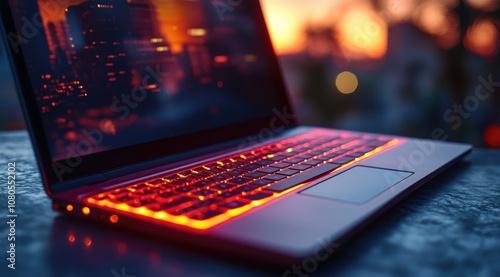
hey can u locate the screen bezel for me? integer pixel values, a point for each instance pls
(95, 164)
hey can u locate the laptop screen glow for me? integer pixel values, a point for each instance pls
(118, 73)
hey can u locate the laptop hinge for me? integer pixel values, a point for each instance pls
(80, 182)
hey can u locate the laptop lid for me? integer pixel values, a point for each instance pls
(109, 83)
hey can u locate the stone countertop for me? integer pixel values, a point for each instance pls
(448, 227)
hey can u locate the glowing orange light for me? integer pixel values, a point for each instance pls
(113, 218)
(71, 238)
(229, 214)
(198, 32)
(482, 38)
(346, 82)
(86, 210)
(221, 59)
(485, 5)
(398, 10)
(285, 23)
(69, 208)
(432, 18)
(362, 33)
(87, 242)
(162, 49)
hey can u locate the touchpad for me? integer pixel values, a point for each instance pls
(358, 184)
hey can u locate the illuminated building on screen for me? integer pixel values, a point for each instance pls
(97, 30)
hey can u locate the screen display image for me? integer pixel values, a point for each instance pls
(118, 73)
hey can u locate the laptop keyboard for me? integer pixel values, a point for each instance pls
(209, 194)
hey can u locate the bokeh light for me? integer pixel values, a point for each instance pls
(484, 5)
(346, 82)
(431, 17)
(492, 136)
(482, 38)
(396, 11)
(362, 32)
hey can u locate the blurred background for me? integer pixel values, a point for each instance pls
(416, 68)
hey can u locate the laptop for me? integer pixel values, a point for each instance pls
(171, 117)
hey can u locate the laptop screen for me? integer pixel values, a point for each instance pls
(108, 74)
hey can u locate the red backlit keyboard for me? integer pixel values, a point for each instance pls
(209, 194)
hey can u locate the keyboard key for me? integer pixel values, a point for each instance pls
(215, 170)
(147, 201)
(201, 184)
(302, 177)
(313, 162)
(185, 173)
(300, 167)
(246, 188)
(228, 194)
(261, 182)
(176, 202)
(294, 160)
(184, 189)
(251, 167)
(281, 165)
(274, 177)
(176, 182)
(124, 198)
(197, 206)
(139, 186)
(278, 158)
(205, 215)
(203, 173)
(254, 175)
(204, 192)
(135, 203)
(342, 160)
(264, 162)
(237, 172)
(220, 177)
(305, 156)
(268, 170)
(257, 196)
(148, 191)
(234, 204)
(156, 182)
(172, 177)
(287, 172)
(167, 194)
(239, 180)
(222, 186)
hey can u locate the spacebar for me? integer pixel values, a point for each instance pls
(302, 177)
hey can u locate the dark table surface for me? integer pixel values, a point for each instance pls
(449, 227)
